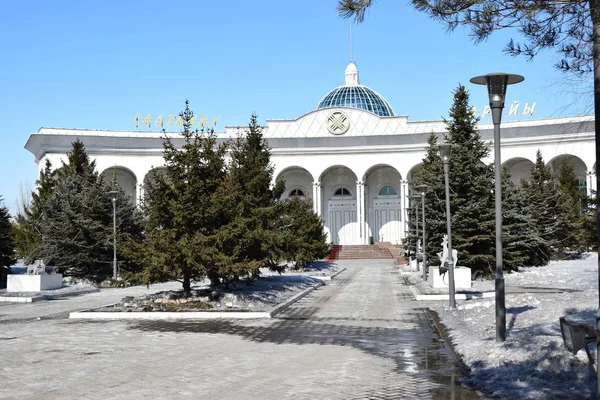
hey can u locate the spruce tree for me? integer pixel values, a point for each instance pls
(551, 209)
(72, 213)
(182, 213)
(300, 232)
(521, 242)
(7, 246)
(251, 203)
(26, 236)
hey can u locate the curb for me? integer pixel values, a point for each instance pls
(437, 326)
(458, 296)
(33, 299)
(137, 315)
(330, 277)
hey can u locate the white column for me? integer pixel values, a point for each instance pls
(363, 205)
(317, 206)
(591, 177)
(404, 205)
(359, 218)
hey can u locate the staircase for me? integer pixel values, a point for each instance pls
(358, 252)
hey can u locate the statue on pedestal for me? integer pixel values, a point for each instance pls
(443, 256)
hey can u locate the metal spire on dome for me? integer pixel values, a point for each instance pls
(351, 69)
(351, 57)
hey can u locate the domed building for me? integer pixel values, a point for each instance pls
(351, 156)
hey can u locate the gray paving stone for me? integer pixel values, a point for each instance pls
(359, 337)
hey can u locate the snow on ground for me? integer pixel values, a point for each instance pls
(65, 290)
(260, 294)
(532, 362)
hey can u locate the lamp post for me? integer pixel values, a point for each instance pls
(497, 83)
(423, 189)
(417, 198)
(445, 150)
(114, 194)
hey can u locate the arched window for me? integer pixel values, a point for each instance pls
(342, 191)
(297, 192)
(388, 190)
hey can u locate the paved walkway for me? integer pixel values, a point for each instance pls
(359, 337)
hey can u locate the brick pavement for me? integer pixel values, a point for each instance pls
(359, 337)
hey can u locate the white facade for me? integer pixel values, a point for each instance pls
(355, 165)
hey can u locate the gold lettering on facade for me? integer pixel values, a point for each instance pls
(136, 118)
(159, 121)
(147, 121)
(528, 110)
(514, 108)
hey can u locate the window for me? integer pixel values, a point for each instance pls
(388, 191)
(342, 192)
(297, 192)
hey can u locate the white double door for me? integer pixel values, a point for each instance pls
(341, 221)
(387, 214)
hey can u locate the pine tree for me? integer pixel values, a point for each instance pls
(7, 246)
(182, 212)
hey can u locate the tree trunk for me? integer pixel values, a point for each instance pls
(187, 287)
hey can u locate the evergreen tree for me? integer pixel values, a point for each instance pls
(72, 213)
(551, 209)
(521, 242)
(300, 235)
(182, 212)
(588, 230)
(26, 236)
(7, 246)
(248, 238)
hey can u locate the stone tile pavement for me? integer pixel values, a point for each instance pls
(359, 337)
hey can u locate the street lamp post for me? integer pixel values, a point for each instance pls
(445, 150)
(497, 83)
(423, 189)
(417, 198)
(114, 194)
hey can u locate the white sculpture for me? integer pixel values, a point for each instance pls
(38, 268)
(443, 256)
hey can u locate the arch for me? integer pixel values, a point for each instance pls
(387, 190)
(338, 169)
(286, 170)
(123, 178)
(410, 177)
(519, 169)
(340, 216)
(383, 204)
(342, 191)
(297, 191)
(375, 167)
(576, 162)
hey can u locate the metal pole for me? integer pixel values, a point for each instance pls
(500, 297)
(417, 237)
(114, 202)
(595, 13)
(424, 265)
(448, 225)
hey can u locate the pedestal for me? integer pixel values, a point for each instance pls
(462, 278)
(33, 283)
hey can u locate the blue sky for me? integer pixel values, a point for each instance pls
(96, 64)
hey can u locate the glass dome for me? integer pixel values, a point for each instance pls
(357, 96)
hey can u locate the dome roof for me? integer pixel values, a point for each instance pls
(355, 95)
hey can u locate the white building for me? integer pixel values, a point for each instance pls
(351, 155)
